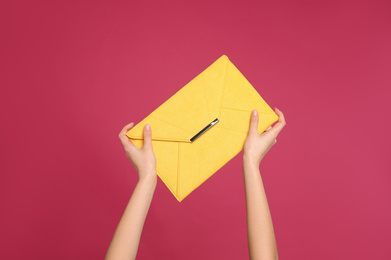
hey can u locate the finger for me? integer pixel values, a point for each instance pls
(123, 137)
(254, 122)
(270, 127)
(147, 137)
(276, 129)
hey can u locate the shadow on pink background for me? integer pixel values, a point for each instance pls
(73, 74)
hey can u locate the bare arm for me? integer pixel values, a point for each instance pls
(126, 239)
(260, 232)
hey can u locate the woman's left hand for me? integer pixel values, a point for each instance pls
(143, 159)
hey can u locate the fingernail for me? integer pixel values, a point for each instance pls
(147, 127)
(255, 112)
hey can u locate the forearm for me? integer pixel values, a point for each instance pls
(260, 232)
(127, 235)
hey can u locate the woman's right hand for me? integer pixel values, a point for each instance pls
(143, 159)
(257, 145)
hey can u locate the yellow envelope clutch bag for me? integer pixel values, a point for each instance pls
(202, 126)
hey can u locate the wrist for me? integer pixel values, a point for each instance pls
(251, 162)
(149, 180)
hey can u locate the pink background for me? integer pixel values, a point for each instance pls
(73, 74)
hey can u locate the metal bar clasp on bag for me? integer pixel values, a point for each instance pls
(204, 130)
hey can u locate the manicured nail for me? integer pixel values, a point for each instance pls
(147, 127)
(255, 112)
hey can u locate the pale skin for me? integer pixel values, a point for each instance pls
(261, 239)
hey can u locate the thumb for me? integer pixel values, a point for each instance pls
(147, 137)
(254, 122)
